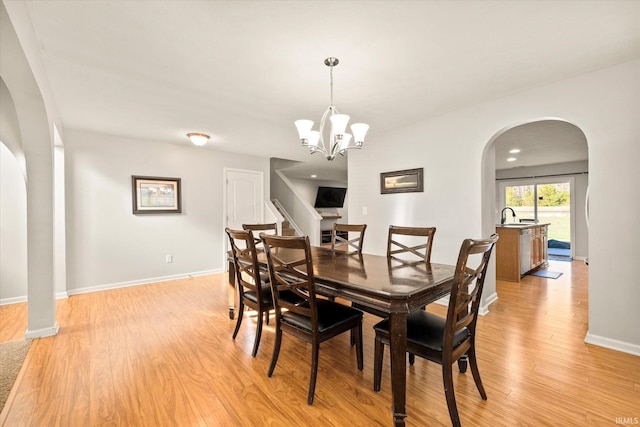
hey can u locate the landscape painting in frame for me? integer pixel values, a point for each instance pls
(404, 181)
(156, 195)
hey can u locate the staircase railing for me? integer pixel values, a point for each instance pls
(307, 219)
(273, 215)
(287, 217)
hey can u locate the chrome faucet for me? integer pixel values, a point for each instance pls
(503, 217)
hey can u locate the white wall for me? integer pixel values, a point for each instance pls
(459, 196)
(13, 230)
(109, 246)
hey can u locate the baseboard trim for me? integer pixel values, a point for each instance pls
(483, 310)
(42, 333)
(147, 281)
(66, 294)
(18, 300)
(622, 346)
(15, 300)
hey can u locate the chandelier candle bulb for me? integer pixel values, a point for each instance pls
(314, 137)
(345, 141)
(359, 131)
(304, 128)
(339, 123)
(333, 141)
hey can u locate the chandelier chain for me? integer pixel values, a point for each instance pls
(331, 73)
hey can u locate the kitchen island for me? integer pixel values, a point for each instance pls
(522, 247)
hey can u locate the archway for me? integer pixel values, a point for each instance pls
(33, 136)
(535, 170)
(13, 226)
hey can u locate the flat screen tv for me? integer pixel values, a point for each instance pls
(330, 197)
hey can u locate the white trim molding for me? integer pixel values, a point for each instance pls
(148, 281)
(612, 344)
(42, 333)
(484, 309)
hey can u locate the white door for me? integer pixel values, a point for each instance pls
(244, 198)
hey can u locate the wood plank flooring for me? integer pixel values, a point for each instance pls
(162, 355)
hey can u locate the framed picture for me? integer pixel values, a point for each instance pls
(156, 195)
(406, 181)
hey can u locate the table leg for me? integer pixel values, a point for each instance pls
(232, 290)
(398, 350)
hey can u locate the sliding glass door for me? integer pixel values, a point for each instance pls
(545, 202)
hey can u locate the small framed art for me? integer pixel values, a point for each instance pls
(156, 195)
(405, 181)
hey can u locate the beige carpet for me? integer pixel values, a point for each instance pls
(12, 355)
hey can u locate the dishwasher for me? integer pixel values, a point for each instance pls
(525, 250)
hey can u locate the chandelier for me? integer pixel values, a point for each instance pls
(337, 141)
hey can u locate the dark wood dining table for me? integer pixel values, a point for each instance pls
(385, 286)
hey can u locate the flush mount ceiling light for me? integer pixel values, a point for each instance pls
(514, 150)
(198, 139)
(511, 159)
(337, 141)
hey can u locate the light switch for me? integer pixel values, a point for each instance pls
(364, 210)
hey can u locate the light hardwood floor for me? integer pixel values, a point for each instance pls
(162, 355)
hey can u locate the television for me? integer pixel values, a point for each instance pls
(330, 197)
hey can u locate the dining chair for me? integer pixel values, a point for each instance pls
(314, 320)
(446, 340)
(348, 237)
(415, 242)
(272, 228)
(256, 229)
(252, 291)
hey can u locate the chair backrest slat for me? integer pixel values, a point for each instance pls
(260, 228)
(464, 303)
(245, 260)
(397, 245)
(354, 240)
(291, 269)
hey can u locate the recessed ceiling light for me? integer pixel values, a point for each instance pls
(514, 151)
(314, 176)
(511, 159)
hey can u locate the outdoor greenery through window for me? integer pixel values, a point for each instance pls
(553, 206)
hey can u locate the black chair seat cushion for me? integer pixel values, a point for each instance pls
(291, 297)
(330, 314)
(267, 296)
(425, 329)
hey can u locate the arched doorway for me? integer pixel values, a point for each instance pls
(550, 149)
(31, 139)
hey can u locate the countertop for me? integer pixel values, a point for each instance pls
(519, 225)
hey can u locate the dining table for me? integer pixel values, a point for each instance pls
(381, 285)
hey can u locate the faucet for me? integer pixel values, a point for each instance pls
(503, 217)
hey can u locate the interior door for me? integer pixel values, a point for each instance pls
(244, 197)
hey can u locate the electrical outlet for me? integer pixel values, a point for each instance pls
(168, 258)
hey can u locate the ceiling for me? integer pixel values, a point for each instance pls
(540, 143)
(243, 71)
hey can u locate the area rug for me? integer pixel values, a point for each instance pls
(12, 355)
(560, 258)
(546, 274)
(559, 252)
